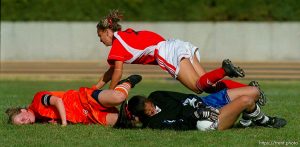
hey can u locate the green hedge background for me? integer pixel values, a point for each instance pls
(151, 10)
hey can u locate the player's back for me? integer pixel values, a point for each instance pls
(140, 39)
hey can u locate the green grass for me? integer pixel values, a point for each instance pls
(283, 101)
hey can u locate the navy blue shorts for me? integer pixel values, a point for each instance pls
(95, 95)
(217, 100)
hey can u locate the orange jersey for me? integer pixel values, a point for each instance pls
(79, 105)
(134, 47)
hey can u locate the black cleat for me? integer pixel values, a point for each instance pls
(133, 80)
(262, 97)
(231, 70)
(274, 122)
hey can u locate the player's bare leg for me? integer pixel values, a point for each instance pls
(188, 75)
(109, 98)
(197, 66)
(249, 91)
(111, 119)
(230, 112)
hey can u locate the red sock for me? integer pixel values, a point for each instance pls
(206, 81)
(229, 84)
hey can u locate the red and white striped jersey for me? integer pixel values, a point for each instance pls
(134, 47)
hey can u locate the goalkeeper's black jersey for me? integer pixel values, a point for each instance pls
(173, 114)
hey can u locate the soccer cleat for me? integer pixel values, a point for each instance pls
(133, 80)
(262, 97)
(273, 122)
(231, 70)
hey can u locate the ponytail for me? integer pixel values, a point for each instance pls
(111, 21)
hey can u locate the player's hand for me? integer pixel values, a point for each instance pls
(193, 101)
(94, 87)
(199, 104)
(208, 113)
(63, 124)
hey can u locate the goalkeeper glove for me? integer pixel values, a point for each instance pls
(207, 112)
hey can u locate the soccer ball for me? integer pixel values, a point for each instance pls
(205, 125)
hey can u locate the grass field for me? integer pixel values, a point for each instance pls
(283, 101)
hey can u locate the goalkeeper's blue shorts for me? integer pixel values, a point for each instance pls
(216, 100)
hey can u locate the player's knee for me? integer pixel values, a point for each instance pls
(246, 101)
(119, 96)
(254, 92)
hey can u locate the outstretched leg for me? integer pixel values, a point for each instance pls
(229, 84)
(207, 81)
(188, 76)
(198, 67)
(110, 98)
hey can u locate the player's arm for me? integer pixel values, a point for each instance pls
(175, 124)
(164, 97)
(57, 102)
(117, 74)
(105, 78)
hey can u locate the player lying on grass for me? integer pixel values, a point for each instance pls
(173, 110)
(86, 105)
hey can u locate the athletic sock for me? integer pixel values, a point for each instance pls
(124, 88)
(257, 116)
(206, 82)
(246, 122)
(229, 84)
(263, 120)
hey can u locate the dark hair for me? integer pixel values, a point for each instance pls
(124, 118)
(136, 106)
(12, 112)
(111, 21)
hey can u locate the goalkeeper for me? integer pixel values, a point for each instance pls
(173, 110)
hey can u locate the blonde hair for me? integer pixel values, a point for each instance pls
(12, 112)
(111, 21)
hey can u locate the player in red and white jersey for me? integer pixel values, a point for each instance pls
(134, 47)
(178, 58)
